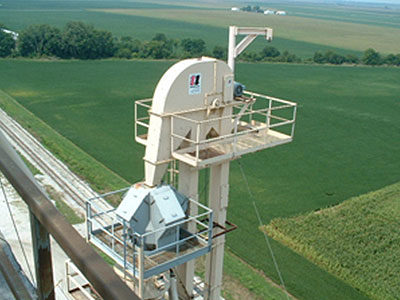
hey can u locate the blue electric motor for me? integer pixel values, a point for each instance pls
(238, 89)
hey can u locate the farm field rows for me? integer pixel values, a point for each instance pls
(346, 141)
(144, 28)
(373, 14)
(357, 240)
(341, 110)
(308, 29)
(336, 34)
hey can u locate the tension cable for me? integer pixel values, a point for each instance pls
(16, 230)
(265, 234)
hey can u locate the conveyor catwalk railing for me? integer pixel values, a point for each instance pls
(258, 122)
(46, 220)
(113, 236)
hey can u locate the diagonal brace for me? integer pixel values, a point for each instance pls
(244, 43)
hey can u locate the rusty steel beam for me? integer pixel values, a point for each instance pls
(42, 257)
(93, 267)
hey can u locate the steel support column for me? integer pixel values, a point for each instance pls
(231, 47)
(218, 202)
(188, 185)
(42, 257)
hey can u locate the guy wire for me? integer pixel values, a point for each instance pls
(16, 230)
(265, 234)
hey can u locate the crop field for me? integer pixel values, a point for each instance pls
(307, 29)
(138, 26)
(241, 280)
(373, 14)
(345, 142)
(357, 240)
(347, 137)
(335, 34)
(19, 14)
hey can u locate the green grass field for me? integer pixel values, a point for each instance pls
(98, 175)
(144, 28)
(335, 34)
(357, 240)
(307, 29)
(240, 279)
(345, 143)
(347, 133)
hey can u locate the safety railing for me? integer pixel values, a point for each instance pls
(76, 286)
(256, 122)
(46, 220)
(114, 236)
(142, 119)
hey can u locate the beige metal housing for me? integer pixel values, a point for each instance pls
(194, 118)
(192, 88)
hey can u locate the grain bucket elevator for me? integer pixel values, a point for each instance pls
(198, 118)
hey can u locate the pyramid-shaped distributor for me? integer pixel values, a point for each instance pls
(153, 211)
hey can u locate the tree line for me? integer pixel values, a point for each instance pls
(82, 41)
(256, 9)
(369, 57)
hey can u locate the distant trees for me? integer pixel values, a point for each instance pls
(157, 50)
(127, 47)
(250, 56)
(319, 58)
(247, 8)
(162, 47)
(40, 40)
(392, 59)
(258, 9)
(193, 47)
(77, 40)
(255, 8)
(270, 54)
(329, 57)
(7, 43)
(352, 59)
(219, 52)
(334, 58)
(82, 41)
(372, 57)
(288, 57)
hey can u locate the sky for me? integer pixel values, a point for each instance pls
(338, 1)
